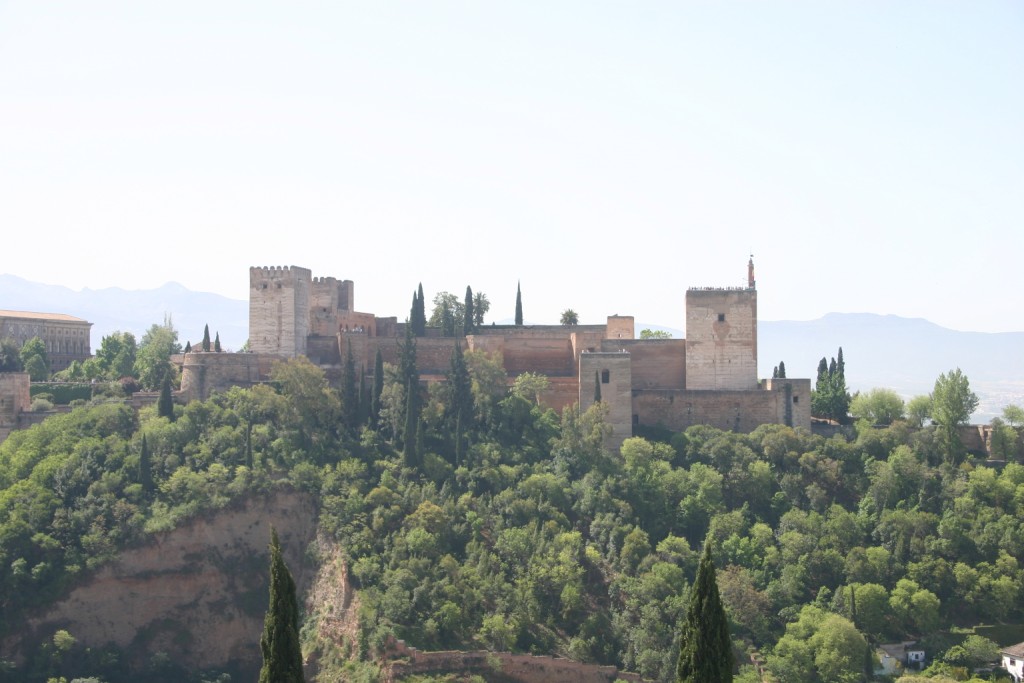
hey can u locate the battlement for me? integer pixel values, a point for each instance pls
(719, 289)
(279, 271)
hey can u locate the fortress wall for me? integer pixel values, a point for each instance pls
(492, 345)
(323, 350)
(351, 320)
(657, 363)
(14, 399)
(387, 327)
(202, 374)
(323, 306)
(721, 339)
(547, 356)
(587, 340)
(562, 392)
(279, 310)
(739, 411)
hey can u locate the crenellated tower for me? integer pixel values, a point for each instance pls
(279, 310)
(721, 337)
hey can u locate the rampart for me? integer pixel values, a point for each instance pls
(202, 374)
(14, 400)
(408, 661)
(657, 363)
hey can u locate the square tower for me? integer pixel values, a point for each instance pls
(279, 311)
(721, 339)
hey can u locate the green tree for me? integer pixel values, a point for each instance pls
(165, 404)
(519, 306)
(206, 338)
(597, 386)
(1003, 440)
(1014, 416)
(10, 361)
(282, 655)
(878, 406)
(145, 466)
(569, 318)
(467, 309)
(420, 320)
(349, 392)
(153, 360)
(116, 356)
(34, 360)
(705, 648)
(919, 409)
(447, 310)
(530, 385)
(481, 304)
(648, 333)
(216, 343)
(952, 405)
(830, 399)
(378, 388)
(782, 369)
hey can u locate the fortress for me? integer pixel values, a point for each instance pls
(708, 378)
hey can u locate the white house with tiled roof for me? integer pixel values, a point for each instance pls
(1013, 661)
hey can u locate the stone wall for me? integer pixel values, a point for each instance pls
(657, 363)
(721, 339)
(408, 661)
(14, 400)
(739, 411)
(202, 374)
(546, 356)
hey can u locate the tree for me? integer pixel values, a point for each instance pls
(519, 306)
(878, 406)
(145, 466)
(153, 360)
(569, 318)
(648, 333)
(1014, 415)
(447, 309)
(206, 338)
(597, 386)
(10, 360)
(481, 304)
(34, 360)
(467, 309)
(530, 385)
(349, 392)
(1003, 440)
(919, 409)
(216, 343)
(282, 655)
(782, 369)
(705, 648)
(378, 388)
(830, 399)
(188, 347)
(165, 404)
(952, 405)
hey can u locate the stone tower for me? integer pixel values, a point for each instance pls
(721, 337)
(279, 310)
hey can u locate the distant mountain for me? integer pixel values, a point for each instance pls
(134, 311)
(904, 354)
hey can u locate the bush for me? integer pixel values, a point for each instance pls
(40, 405)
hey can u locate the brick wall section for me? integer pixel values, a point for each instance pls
(551, 357)
(721, 339)
(657, 363)
(202, 374)
(407, 661)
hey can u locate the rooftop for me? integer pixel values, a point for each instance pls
(30, 315)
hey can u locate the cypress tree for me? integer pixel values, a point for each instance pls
(705, 649)
(467, 309)
(216, 343)
(145, 467)
(782, 369)
(775, 372)
(519, 306)
(188, 347)
(349, 396)
(420, 318)
(378, 388)
(597, 386)
(206, 338)
(165, 404)
(282, 656)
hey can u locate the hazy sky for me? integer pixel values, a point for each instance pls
(607, 154)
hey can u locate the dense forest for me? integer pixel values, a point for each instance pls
(472, 517)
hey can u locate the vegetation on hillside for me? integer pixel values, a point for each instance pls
(472, 517)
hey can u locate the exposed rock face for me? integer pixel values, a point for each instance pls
(198, 593)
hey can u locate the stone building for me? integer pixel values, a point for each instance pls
(66, 337)
(708, 378)
(14, 401)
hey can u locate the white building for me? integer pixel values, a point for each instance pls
(1013, 661)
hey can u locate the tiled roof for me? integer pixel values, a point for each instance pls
(1014, 650)
(29, 315)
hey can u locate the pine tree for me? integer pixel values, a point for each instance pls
(519, 306)
(206, 338)
(705, 648)
(282, 655)
(467, 310)
(145, 467)
(165, 404)
(216, 343)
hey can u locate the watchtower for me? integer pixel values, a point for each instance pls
(279, 299)
(721, 337)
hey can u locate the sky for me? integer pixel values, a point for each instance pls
(604, 155)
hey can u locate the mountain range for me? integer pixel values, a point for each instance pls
(904, 354)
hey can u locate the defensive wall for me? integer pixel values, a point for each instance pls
(203, 373)
(408, 661)
(14, 400)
